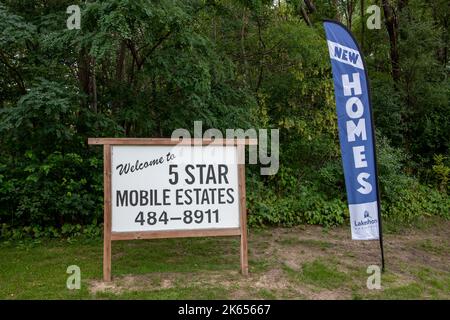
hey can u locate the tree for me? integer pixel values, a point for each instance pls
(392, 11)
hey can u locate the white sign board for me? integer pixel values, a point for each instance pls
(179, 187)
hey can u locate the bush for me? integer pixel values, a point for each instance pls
(304, 204)
(403, 197)
(51, 192)
(57, 181)
(441, 172)
(319, 197)
(35, 232)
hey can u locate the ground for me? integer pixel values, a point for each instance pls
(305, 262)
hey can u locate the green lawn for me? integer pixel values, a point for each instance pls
(296, 263)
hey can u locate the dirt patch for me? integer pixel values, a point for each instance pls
(272, 280)
(100, 286)
(291, 249)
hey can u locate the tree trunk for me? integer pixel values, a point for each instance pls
(94, 87)
(120, 61)
(363, 22)
(349, 12)
(336, 7)
(310, 5)
(304, 14)
(242, 43)
(441, 21)
(120, 70)
(391, 22)
(84, 72)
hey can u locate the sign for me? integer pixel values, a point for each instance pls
(356, 132)
(164, 188)
(174, 188)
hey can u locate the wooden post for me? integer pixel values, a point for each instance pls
(107, 212)
(243, 212)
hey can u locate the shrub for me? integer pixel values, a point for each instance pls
(319, 197)
(403, 197)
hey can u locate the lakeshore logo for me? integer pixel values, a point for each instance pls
(369, 221)
(364, 220)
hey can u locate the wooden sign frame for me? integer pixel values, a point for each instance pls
(109, 236)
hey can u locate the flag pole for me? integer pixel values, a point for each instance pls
(380, 229)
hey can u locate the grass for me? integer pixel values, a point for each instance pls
(319, 273)
(306, 242)
(195, 293)
(35, 271)
(283, 265)
(436, 248)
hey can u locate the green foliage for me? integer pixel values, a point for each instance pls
(442, 171)
(403, 198)
(299, 203)
(67, 231)
(424, 87)
(57, 180)
(170, 76)
(318, 197)
(49, 191)
(16, 34)
(144, 68)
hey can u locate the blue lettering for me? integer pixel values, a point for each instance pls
(337, 52)
(344, 55)
(353, 57)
